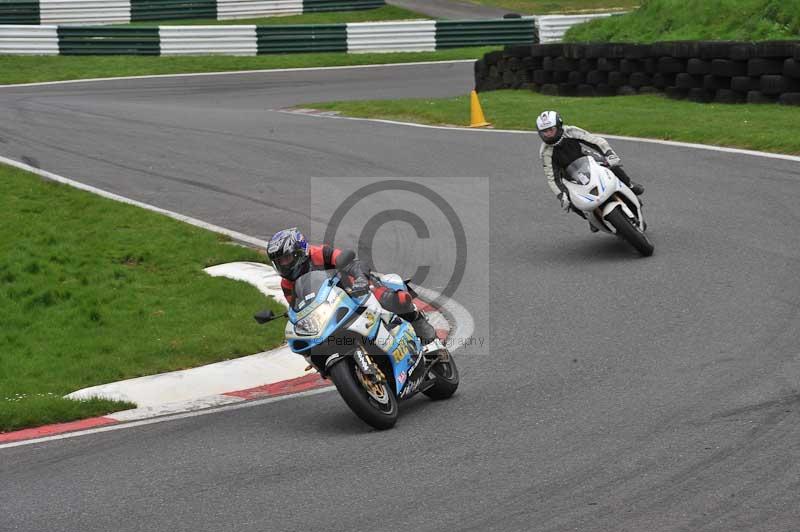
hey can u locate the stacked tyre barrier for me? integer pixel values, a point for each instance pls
(88, 12)
(704, 71)
(360, 37)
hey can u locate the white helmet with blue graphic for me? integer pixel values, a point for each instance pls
(550, 127)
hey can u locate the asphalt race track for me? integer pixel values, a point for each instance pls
(619, 393)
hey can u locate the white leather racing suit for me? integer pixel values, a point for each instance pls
(553, 175)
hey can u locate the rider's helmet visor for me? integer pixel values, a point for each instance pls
(549, 133)
(285, 260)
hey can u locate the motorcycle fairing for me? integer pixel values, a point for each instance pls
(404, 354)
(592, 186)
(343, 308)
(367, 319)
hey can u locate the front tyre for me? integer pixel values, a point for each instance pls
(377, 406)
(629, 233)
(446, 374)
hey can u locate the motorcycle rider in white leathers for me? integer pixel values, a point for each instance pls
(561, 145)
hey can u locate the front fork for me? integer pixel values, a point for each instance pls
(618, 199)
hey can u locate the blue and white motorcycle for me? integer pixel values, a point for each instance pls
(373, 356)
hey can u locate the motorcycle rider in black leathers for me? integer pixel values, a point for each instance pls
(562, 145)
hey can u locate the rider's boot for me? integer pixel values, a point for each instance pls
(422, 327)
(623, 176)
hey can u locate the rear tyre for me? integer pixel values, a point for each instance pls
(447, 379)
(629, 233)
(378, 410)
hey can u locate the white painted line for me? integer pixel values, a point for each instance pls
(166, 409)
(710, 147)
(263, 71)
(110, 195)
(121, 426)
(738, 151)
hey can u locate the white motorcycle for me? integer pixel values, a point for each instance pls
(607, 203)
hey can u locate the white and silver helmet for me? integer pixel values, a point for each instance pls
(550, 127)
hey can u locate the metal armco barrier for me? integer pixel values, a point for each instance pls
(19, 12)
(454, 34)
(313, 6)
(197, 40)
(84, 11)
(233, 9)
(553, 27)
(172, 9)
(412, 36)
(418, 36)
(310, 38)
(107, 41)
(29, 40)
(88, 12)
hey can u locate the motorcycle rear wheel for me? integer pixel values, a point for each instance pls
(629, 233)
(377, 414)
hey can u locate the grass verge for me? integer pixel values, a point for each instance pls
(385, 13)
(543, 7)
(673, 20)
(748, 126)
(94, 291)
(26, 69)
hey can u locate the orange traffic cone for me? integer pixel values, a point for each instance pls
(476, 112)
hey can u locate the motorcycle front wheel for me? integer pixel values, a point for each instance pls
(446, 375)
(629, 233)
(375, 404)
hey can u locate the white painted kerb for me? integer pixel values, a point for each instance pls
(214, 379)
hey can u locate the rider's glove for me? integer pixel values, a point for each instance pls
(613, 159)
(359, 287)
(566, 204)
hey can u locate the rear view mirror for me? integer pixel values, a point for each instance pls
(264, 316)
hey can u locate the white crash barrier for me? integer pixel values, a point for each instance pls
(553, 27)
(202, 40)
(28, 40)
(415, 36)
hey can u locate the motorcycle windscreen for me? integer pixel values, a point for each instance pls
(580, 171)
(308, 286)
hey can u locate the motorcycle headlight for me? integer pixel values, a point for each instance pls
(312, 324)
